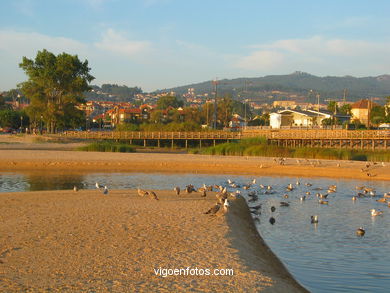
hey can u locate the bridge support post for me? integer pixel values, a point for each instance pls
(172, 145)
(186, 143)
(214, 142)
(158, 143)
(144, 143)
(200, 143)
(131, 141)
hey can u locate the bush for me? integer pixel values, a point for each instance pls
(108, 147)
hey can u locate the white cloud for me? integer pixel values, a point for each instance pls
(319, 55)
(116, 42)
(28, 43)
(266, 60)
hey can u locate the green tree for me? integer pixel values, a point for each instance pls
(345, 109)
(332, 107)
(55, 86)
(225, 110)
(377, 115)
(168, 101)
(13, 119)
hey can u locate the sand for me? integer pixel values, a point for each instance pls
(14, 160)
(87, 242)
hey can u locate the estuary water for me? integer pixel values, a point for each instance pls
(323, 257)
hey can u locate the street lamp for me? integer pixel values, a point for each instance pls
(40, 130)
(21, 124)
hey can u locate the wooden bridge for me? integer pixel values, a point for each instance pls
(361, 139)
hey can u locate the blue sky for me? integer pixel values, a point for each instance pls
(158, 44)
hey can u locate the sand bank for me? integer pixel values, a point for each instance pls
(11, 160)
(85, 241)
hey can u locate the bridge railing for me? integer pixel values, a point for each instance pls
(222, 135)
(320, 134)
(127, 135)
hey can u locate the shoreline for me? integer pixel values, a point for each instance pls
(84, 240)
(46, 160)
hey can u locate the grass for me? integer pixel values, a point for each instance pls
(260, 147)
(108, 147)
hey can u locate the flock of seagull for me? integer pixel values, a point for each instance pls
(252, 196)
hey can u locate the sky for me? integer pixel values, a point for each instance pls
(157, 44)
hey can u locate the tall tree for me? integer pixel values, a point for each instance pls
(55, 86)
(168, 101)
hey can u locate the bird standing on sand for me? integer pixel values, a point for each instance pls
(75, 189)
(105, 190)
(360, 231)
(177, 190)
(214, 209)
(226, 205)
(141, 192)
(152, 195)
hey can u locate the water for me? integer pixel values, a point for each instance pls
(324, 257)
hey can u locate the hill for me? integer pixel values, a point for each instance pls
(297, 84)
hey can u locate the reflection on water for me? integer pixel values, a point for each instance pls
(324, 257)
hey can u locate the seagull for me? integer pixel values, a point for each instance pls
(375, 213)
(98, 186)
(105, 190)
(354, 197)
(302, 198)
(75, 189)
(177, 190)
(141, 192)
(272, 220)
(273, 209)
(284, 204)
(226, 205)
(152, 195)
(214, 209)
(203, 193)
(314, 219)
(360, 231)
(285, 196)
(323, 202)
(308, 184)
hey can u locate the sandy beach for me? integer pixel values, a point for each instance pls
(32, 159)
(86, 241)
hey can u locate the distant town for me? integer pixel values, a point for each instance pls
(163, 108)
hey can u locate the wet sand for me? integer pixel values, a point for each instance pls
(86, 241)
(14, 160)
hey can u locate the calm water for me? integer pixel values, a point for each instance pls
(323, 257)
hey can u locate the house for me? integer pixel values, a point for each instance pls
(237, 122)
(298, 118)
(361, 111)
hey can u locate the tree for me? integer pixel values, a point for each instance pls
(168, 101)
(55, 86)
(345, 109)
(332, 107)
(13, 119)
(377, 115)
